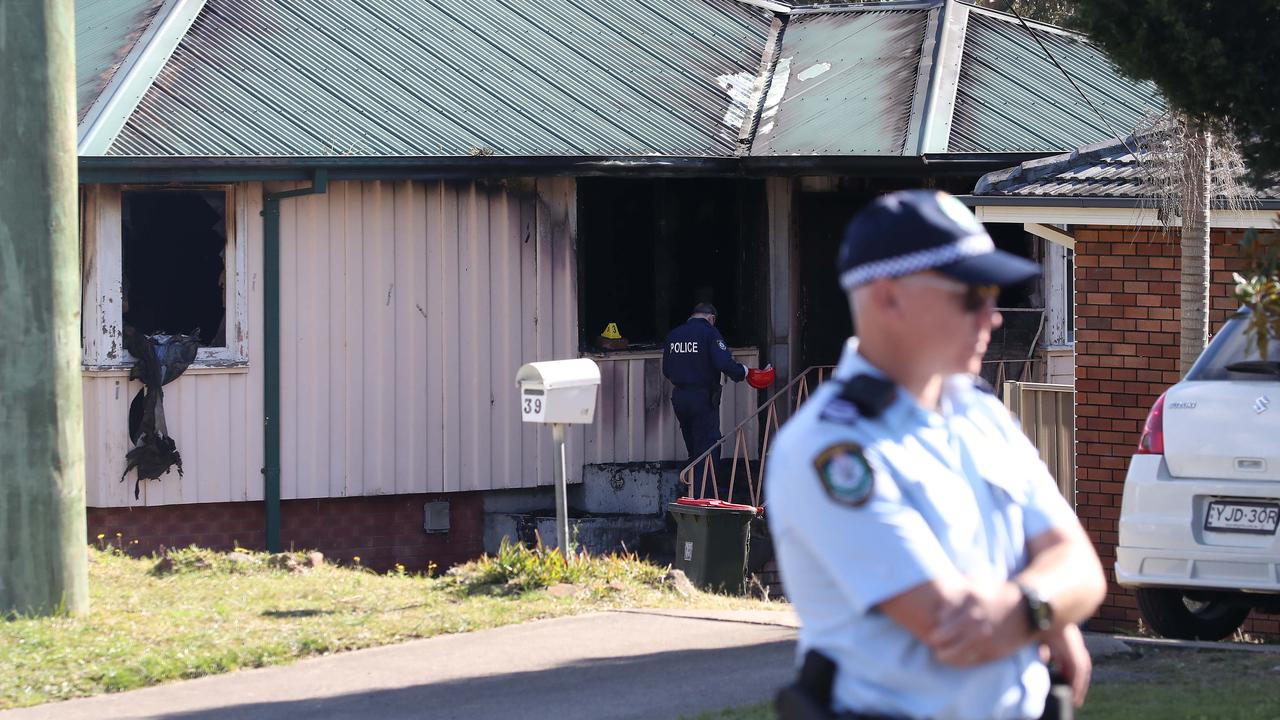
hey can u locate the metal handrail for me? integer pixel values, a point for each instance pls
(772, 423)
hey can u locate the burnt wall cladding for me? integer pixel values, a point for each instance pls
(382, 531)
(1126, 295)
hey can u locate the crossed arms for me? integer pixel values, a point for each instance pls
(968, 622)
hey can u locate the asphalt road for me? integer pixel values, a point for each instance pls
(641, 664)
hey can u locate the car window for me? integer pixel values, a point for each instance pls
(1231, 345)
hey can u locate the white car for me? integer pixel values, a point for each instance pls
(1202, 497)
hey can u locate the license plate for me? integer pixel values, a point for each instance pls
(1245, 517)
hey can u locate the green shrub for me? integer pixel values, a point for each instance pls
(520, 568)
(1259, 289)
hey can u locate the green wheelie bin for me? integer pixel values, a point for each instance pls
(712, 541)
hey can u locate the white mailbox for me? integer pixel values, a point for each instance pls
(558, 391)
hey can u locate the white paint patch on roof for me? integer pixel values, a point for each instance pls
(776, 91)
(740, 87)
(813, 71)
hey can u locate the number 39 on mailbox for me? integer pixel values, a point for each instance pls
(558, 391)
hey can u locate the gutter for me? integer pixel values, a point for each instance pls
(271, 348)
(1095, 202)
(117, 169)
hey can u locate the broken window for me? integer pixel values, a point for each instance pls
(650, 249)
(175, 263)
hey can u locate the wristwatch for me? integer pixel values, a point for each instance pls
(1039, 611)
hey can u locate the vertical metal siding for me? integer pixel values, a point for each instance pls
(408, 310)
(634, 419)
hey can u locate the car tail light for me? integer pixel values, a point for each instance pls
(1152, 441)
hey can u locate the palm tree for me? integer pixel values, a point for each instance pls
(1187, 167)
(1194, 278)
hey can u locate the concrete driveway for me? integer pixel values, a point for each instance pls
(635, 664)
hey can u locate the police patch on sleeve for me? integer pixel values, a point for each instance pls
(721, 344)
(845, 474)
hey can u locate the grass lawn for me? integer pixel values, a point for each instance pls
(207, 613)
(1158, 684)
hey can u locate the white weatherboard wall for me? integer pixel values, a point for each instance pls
(215, 413)
(406, 309)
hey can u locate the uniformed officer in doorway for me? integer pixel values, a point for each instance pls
(694, 357)
(921, 539)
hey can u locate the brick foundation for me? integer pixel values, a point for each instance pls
(382, 530)
(1126, 298)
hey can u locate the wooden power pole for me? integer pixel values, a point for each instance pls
(43, 563)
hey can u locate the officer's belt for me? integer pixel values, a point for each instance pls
(809, 698)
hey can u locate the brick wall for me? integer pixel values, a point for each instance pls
(1126, 285)
(382, 530)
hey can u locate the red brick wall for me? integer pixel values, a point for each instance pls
(382, 530)
(1126, 284)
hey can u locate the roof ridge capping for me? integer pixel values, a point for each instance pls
(1040, 168)
(784, 7)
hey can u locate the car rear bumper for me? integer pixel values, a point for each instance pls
(1163, 540)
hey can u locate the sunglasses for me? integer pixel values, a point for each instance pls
(973, 297)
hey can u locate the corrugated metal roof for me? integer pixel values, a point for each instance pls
(1110, 169)
(1011, 98)
(106, 31)
(665, 78)
(503, 77)
(843, 85)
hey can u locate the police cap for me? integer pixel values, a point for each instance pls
(912, 231)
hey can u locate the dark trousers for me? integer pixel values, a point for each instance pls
(698, 412)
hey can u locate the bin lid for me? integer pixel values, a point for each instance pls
(721, 504)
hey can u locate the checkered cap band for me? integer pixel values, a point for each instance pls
(918, 261)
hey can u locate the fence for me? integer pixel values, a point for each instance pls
(1047, 414)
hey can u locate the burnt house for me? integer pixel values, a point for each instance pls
(375, 213)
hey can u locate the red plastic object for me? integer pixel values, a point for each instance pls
(710, 503)
(1152, 440)
(761, 379)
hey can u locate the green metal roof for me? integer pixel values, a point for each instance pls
(1012, 97)
(106, 31)
(437, 78)
(709, 80)
(843, 84)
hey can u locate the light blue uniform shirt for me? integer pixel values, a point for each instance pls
(958, 491)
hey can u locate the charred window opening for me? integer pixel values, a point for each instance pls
(650, 249)
(174, 258)
(1023, 309)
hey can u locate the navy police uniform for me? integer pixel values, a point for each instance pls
(693, 358)
(869, 494)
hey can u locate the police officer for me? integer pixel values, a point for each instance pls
(693, 358)
(921, 539)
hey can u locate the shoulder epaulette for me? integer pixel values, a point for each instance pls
(980, 384)
(860, 396)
